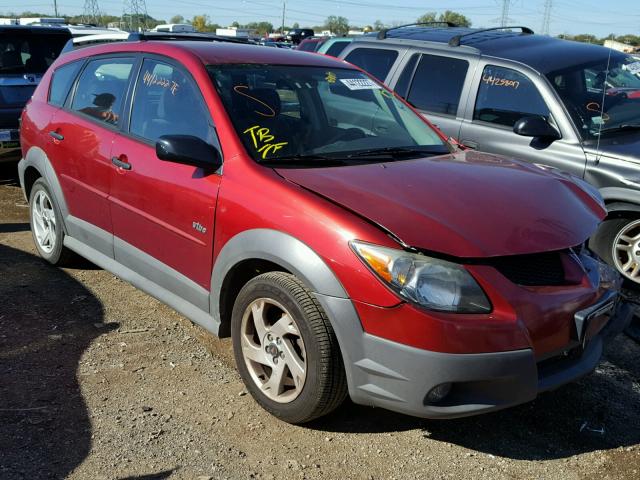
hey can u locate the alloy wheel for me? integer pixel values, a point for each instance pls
(626, 251)
(44, 221)
(273, 350)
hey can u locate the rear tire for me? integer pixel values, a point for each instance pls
(285, 349)
(46, 225)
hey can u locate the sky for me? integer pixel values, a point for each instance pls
(599, 17)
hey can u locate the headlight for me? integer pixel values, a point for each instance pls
(429, 282)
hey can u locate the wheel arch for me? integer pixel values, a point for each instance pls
(257, 251)
(34, 165)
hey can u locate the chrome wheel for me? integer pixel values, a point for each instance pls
(273, 350)
(626, 251)
(44, 221)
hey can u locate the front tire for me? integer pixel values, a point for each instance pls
(285, 349)
(46, 224)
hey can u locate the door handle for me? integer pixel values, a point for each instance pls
(470, 144)
(56, 135)
(119, 163)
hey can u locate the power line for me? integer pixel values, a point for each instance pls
(504, 19)
(546, 21)
(134, 15)
(91, 12)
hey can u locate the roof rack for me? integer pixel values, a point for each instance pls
(382, 34)
(455, 41)
(193, 36)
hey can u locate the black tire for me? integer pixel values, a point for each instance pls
(325, 386)
(602, 242)
(59, 254)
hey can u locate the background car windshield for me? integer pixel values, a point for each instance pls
(26, 53)
(289, 111)
(601, 100)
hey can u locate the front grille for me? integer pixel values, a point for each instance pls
(537, 269)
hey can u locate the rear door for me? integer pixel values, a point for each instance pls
(163, 212)
(82, 134)
(25, 54)
(503, 95)
(436, 85)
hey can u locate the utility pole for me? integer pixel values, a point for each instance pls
(284, 9)
(91, 13)
(504, 19)
(136, 10)
(546, 22)
(55, 8)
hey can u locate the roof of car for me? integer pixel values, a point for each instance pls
(543, 53)
(217, 52)
(32, 29)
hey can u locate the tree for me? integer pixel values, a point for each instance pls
(295, 25)
(261, 27)
(448, 16)
(177, 19)
(378, 25)
(337, 25)
(202, 23)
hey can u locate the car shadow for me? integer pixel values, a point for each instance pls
(600, 412)
(9, 174)
(47, 320)
(14, 227)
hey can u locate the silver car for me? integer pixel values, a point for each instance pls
(567, 105)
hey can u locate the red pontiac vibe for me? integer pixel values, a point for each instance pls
(292, 202)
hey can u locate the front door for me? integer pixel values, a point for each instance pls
(162, 212)
(503, 97)
(82, 136)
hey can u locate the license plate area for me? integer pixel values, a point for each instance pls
(591, 320)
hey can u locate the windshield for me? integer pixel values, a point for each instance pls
(22, 53)
(601, 102)
(312, 114)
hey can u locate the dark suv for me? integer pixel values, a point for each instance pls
(296, 35)
(25, 54)
(568, 105)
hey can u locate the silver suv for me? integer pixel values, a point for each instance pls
(564, 104)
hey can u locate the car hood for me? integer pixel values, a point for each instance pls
(467, 204)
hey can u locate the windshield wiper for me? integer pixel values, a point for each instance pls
(304, 160)
(399, 152)
(621, 128)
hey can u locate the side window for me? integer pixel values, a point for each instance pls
(505, 96)
(437, 84)
(61, 82)
(336, 48)
(402, 85)
(167, 102)
(376, 61)
(102, 87)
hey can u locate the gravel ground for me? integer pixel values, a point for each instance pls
(100, 381)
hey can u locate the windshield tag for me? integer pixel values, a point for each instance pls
(632, 67)
(360, 84)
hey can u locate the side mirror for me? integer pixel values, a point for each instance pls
(188, 150)
(537, 127)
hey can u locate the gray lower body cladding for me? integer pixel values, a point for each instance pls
(397, 377)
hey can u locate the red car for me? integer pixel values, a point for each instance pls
(294, 203)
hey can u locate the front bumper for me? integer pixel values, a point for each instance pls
(398, 377)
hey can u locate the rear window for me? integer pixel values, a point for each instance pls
(29, 53)
(376, 61)
(61, 82)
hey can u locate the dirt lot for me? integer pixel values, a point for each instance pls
(100, 381)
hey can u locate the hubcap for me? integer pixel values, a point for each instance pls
(44, 221)
(626, 251)
(273, 350)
